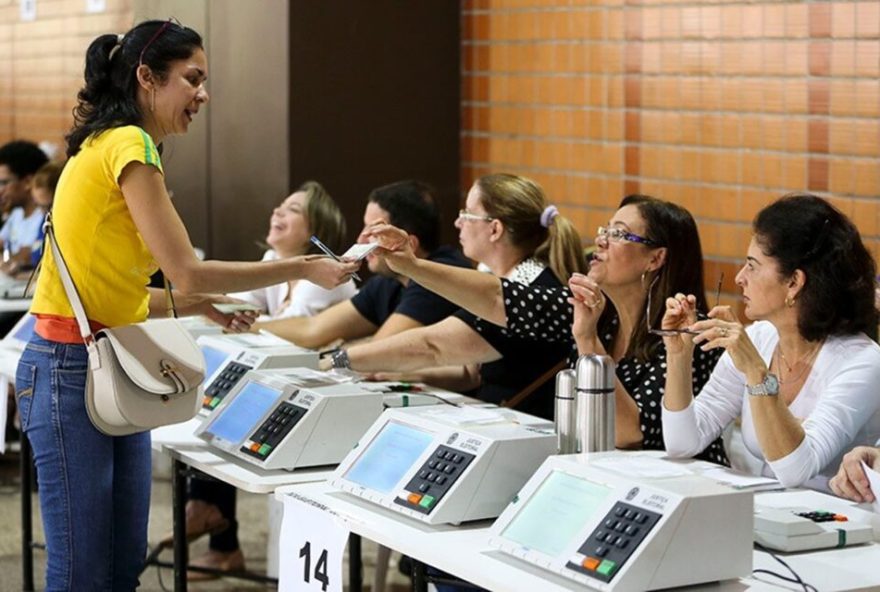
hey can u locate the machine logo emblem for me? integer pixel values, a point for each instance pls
(632, 493)
(452, 438)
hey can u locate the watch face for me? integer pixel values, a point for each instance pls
(771, 383)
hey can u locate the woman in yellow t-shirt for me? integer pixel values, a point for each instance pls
(116, 225)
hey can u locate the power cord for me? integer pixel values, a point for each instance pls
(794, 580)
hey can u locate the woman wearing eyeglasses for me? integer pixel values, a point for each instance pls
(510, 230)
(648, 244)
(803, 378)
(115, 225)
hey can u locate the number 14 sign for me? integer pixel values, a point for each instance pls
(312, 545)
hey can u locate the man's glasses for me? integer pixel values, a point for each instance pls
(670, 332)
(465, 215)
(617, 235)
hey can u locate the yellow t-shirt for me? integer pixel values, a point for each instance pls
(108, 260)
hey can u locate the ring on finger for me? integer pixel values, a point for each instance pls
(723, 331)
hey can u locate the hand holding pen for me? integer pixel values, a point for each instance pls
(317, 242)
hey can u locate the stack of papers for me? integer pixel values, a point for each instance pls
(742, 481)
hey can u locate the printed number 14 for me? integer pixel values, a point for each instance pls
(320, 566)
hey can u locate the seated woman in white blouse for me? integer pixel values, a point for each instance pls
(804, 377)
(307, 211)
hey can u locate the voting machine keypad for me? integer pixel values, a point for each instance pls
(273, 430)
(822, 516)
(224, 383)
(614, 541)
(434, 479)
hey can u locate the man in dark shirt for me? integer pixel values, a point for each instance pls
(387, 303)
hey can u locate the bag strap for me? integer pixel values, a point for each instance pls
(531, 388)
(79, 311)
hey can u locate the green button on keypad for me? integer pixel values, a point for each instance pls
(264, 450)
(607, 567)
(427, 501)
(214, 402)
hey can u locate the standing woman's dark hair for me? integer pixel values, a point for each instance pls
(672, 227)
(802, 231)
(109, 97)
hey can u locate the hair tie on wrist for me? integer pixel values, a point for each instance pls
(547, 216)
(116, 47)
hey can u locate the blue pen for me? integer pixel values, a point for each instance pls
(317, 242)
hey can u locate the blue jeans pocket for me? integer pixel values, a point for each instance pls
(25, 379)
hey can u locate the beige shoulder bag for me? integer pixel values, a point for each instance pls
(140, 376)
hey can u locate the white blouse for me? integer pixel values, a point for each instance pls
(306, 300)
(839, 405)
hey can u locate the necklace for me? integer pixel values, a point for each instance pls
(806, 361)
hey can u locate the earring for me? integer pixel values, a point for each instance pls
(789, 301)
(644, 274)
(152, 99)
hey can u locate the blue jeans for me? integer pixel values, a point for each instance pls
(94, 489)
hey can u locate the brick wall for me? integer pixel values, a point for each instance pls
(41, 63)
(718, 106)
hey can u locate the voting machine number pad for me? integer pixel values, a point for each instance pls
(613, 542)
(434, 479)
(272, 431)
(221, 385)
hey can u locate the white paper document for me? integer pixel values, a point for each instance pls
(642, 466)
(741, 480)
(874, 481)
(468, 415)
(312, 546)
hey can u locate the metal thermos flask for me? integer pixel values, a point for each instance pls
(566, 418)
(595, 403)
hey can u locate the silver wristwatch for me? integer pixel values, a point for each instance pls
(339, 358)
(769, 387)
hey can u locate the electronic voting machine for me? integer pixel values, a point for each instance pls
(802, 528)
(294, 418)
(230, 356)
(628, 521)
(446, 464)
(199, 325)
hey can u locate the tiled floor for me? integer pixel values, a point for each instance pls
(252, 514)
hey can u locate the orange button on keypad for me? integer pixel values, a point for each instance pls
(414, 498)
(590, 563)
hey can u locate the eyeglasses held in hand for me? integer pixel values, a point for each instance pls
(617, 235)
(671, 332)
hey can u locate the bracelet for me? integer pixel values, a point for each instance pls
(340, 359)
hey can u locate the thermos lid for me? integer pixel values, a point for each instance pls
(595, 373)
(565, 384)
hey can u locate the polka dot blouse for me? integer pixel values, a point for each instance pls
(540, 312)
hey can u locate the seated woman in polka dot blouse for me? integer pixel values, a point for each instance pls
(508, 227)
(649, 247)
